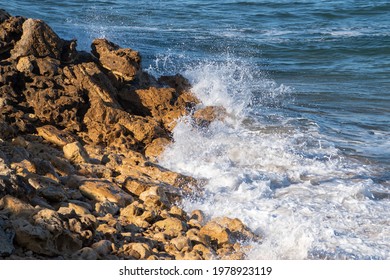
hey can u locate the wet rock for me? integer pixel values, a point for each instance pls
(217, 233)
(108, 123)
(194, 224)
(155, 149)
(238, 230)
(178, 212)
(205, 116)
(230, 253)
(159, 103)
(196, 238)
(225, 231)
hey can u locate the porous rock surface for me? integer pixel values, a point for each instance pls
(79, 137)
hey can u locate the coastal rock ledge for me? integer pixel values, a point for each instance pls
(80, 135)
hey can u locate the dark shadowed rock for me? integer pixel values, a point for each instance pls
(10, 31)
(178, 82)
(4, 15)
(6, 237)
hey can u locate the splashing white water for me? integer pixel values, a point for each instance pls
(278, 176)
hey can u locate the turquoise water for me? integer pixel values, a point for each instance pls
(304, 156)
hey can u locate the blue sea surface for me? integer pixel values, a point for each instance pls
(304, 156)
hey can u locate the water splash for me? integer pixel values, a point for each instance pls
(277, 173)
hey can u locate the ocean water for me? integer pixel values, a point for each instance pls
(303, 155)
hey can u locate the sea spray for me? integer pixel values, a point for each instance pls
(315, 171)
(277, 173)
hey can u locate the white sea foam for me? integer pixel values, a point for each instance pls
(282, 179)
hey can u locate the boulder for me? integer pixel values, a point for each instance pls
(134, 186)
(25, 64)
(140, 251)
(53, 193)
(85, 253)
(182, 243)
(206, 115)
(100, 190)
(107, 232)
(171, 226)
(217, 233)
(14, 207)
(45, 233)
(55, 136)
(39, 40)
(227, 231)
(159, 103)
(156, 147)
(75, 152)
(102, 247)
(70, 207)
(238, 230)
(123, 63)
(106, 207)
(136, 214)
(206, 252)
(154, 197)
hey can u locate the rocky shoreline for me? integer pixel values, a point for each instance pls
(80, 134)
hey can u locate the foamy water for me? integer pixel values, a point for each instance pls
(279, 175)
(303, 156)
